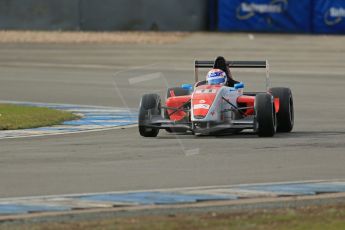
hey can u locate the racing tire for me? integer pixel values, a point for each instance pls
(149, 104)
(285, 115)
(265, 122)
(171, 92)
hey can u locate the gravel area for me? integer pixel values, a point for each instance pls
(90, 37)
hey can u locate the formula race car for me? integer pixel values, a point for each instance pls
(217, 109)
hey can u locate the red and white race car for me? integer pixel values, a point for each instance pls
(213, 109)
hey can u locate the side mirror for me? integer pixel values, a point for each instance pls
(239, 85)
(187, 87)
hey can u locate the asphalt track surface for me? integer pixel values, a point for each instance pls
(117, 75)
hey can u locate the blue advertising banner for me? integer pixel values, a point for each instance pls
(329, 16)
(265, 15)
(213, 14)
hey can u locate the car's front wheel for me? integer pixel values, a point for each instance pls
(285, 115)
(265, 122)
(150, 104)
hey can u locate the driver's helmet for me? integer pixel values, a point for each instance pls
(216, 77)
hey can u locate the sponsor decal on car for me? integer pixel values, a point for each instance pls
(201, 106)
(201, 91)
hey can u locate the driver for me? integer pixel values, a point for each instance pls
(220, 63)
(216, 77)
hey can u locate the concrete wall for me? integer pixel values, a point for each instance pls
(144, 14)
(39, 14)
(104, 14)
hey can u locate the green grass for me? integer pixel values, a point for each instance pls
(22, 117)
(315, 218)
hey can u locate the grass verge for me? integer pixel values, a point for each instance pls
(22, 117)
(316, 218)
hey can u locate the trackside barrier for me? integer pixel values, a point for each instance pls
(303, 16)
(265, 15)
(329, 16)
(105, 15)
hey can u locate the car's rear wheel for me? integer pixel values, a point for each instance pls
(173, 92)
(265, 122)
(285, 115)
(150, 104)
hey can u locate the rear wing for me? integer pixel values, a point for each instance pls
(234, 64)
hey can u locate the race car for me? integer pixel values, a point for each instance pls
(217, 109)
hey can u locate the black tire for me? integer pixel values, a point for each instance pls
(178, 91)
(149, 104)
(265, 121)
(285, 115)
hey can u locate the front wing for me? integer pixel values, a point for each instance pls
(156, 121)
